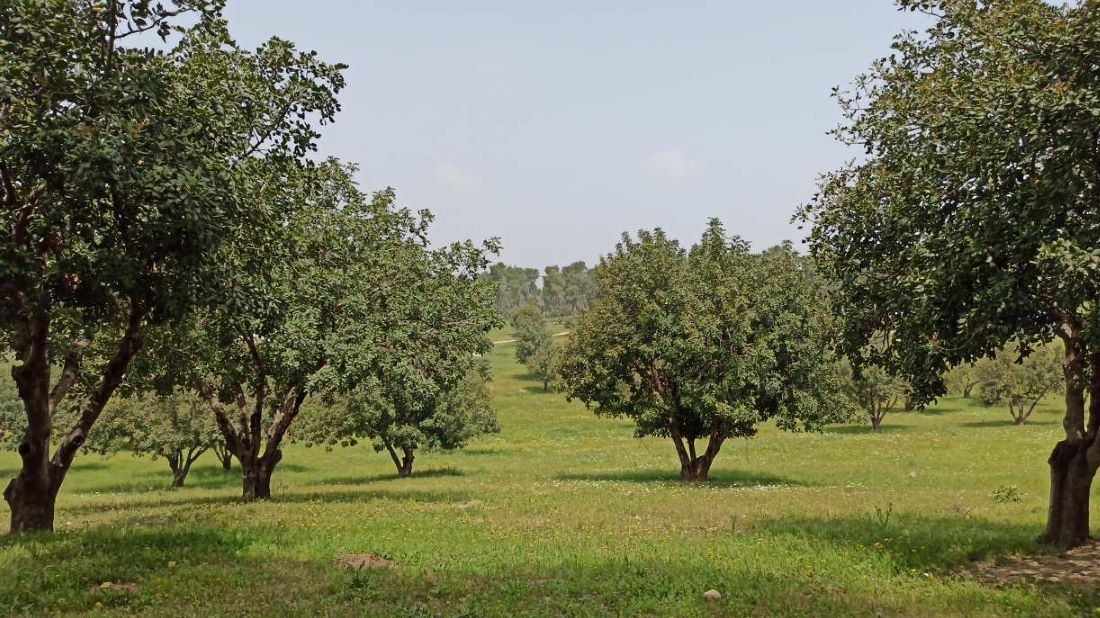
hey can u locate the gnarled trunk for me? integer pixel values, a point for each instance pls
(32, 505)
(257, 476)
(1070, 487)
(695, 468)
(256, 468)
(32, 494)
(225, 456)
(181, 462)
(404, 464)
(1074, 460)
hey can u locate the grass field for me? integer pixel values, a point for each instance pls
(565, 514)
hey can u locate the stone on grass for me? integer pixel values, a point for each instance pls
(712, 595)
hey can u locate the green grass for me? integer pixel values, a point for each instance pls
(565, 514)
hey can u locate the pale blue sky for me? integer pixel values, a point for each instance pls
(558, 125)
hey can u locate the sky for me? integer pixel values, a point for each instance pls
(557, 126)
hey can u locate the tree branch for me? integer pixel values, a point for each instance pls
(69, 373)
(128, 347)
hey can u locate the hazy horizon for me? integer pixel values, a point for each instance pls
(558, 127)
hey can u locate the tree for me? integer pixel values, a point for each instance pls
(962, 379)
(567, 291)
(401, 426)
(176, 427)
(515, 287)
(543, 364)
(121, 169)
(535, 344)
(224, 454)
(704, 344)
(1021, 382)
(346, 298)
(532, 334)
(972, 221)
(876, 392)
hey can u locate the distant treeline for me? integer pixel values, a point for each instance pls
(562, 291)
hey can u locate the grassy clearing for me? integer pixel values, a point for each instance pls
(566, 514)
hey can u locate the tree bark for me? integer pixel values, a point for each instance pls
(257, 476)
(1074, 461)
(404, 464)
(32, 494)
(696, 468)
(256, 468)
(225, 457)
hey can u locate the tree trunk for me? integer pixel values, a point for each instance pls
(967, 390)
(32, 494)
(225, 456)
(404, 464)
(32, 508)
(257, 479)
(1070, 486)
(1071, 471)
(696, 470)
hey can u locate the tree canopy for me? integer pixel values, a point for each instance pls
(123, 169)
(972, 219)
(1020, 383)
(705, 343)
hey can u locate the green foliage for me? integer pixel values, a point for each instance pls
(543, 364)
(177, 427)
(347, 298)
(971, 219)
(532, 333)
(706, 343)
(971, 222)
(1020, 383)
(1007, 494)
(124, 170)
(453, 417)
(875, 391)
(962, 379)
(515, 287)
(535, 345)
(569, 290)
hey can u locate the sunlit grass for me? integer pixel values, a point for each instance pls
(565, 514)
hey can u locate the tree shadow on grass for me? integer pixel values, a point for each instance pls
(940, 544)
(374, 478)
(180, 500)
(79, 465)
(197, 569)
(479, 451)
(866, 429)
(205, 477)
(1008, 422)
(718, 478)
(933, 410)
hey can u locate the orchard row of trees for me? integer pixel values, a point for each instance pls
(168, 237)
(557, 291)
